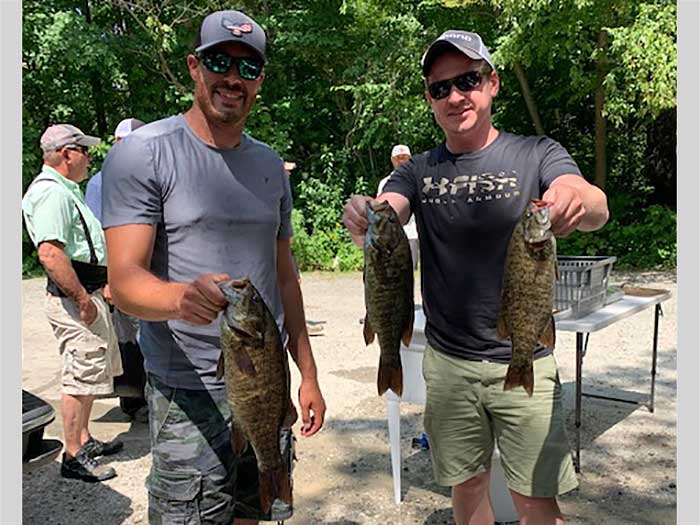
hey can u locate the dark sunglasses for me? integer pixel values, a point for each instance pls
(76, 147)
(465, 82)
(219, 62)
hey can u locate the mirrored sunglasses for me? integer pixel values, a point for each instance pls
(219, 62)
(465, 82)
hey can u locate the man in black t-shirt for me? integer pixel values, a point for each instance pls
(467, 194)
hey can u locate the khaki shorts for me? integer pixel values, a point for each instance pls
(467, 410)
(91, 357)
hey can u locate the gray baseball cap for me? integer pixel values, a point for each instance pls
(59, 135)
(468, 43)
(232, 26)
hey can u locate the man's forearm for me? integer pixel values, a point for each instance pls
(60, 270)
(138, 292)
(295, 323)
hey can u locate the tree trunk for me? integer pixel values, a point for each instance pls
(529, 101)
(600, 122)
(97, 93)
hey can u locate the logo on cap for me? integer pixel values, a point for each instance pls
(236, 30)
(458, 35)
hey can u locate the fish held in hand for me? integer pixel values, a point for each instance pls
(388, 283)
(255, 369)
(527, 296)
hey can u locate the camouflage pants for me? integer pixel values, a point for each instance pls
(195, 477)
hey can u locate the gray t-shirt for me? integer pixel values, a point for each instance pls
(466, 208)
(215, 211)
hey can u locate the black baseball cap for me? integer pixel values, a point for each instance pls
(464, 41)
(232, 26)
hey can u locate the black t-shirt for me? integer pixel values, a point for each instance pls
(466, 208)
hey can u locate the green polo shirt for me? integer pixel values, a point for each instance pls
(50, 215)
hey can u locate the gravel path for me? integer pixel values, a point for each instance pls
(343, 476)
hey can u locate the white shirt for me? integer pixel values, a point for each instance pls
(410, 226)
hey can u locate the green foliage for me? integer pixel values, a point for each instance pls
(649, 243)
(324, 249)
(343, 85)
(643, 83)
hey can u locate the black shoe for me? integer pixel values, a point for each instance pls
(95, 448)
(85, 468)
(131, 405)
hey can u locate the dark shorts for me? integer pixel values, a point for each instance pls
(195, 476)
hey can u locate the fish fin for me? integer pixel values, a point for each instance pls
(244, 362)
(285, 483)
(389, 376)
(220, 367)
(502, 329)
(291, 417)
(274, 484)
(238, 439)
(407, 334)
(367, 331)
(520, 376)
(548, 338)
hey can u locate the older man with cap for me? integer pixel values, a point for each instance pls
(190, 201)
(71, 248)
(467, 194)
(400, 154)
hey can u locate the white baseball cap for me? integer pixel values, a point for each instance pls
(126, 126)
(400, 149)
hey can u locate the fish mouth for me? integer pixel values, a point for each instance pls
(540, 244)
(235, 293)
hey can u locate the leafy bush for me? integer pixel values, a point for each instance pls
(646, 243)
(331, 250)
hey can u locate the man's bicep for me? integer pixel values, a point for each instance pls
(129, 245)
(400, 203)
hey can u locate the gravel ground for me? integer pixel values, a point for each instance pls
(343, 475)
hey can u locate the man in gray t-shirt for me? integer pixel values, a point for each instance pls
(188, 201)
(467, 195)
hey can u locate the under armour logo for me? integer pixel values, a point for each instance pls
(236, 30)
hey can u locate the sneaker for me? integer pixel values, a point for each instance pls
(130, 405)
(95, 448)
(85, 468)
(421, 442)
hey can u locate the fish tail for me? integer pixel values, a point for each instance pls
(274, 484)
(520, 375)
(390, 376)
